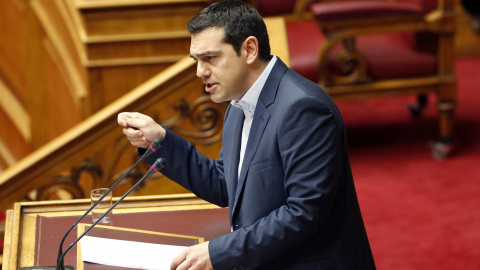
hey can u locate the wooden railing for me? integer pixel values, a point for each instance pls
(95, 153)
(77, 57)
(97, 148)
(89, 150)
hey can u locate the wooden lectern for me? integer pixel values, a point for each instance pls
(34, 229)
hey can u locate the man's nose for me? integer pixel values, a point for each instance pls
(202, 70)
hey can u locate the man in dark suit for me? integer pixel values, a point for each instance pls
(283, 170)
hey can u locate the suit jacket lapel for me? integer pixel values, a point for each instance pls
(238, 116)
(260, 120)
(258, 126)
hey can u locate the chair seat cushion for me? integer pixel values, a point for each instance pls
(388, 56)
(392, 56)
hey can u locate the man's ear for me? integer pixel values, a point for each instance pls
(250, 46)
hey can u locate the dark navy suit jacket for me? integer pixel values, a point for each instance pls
(294, 205)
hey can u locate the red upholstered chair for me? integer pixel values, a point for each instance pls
(371, 48)
(368, 49)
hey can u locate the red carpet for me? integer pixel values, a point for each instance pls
(419, 213)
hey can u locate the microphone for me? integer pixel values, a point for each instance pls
(157, 143)
(156, 167)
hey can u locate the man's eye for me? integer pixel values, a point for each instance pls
(211, 57)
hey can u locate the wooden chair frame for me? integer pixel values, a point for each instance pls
(357, 85)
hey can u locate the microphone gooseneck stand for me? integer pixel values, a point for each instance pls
(157, 143)
(157, 166)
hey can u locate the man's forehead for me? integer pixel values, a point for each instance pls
(211, 35)
(208, 41)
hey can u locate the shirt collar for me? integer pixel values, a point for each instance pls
(249, 101)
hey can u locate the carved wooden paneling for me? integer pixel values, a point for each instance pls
(174, 97)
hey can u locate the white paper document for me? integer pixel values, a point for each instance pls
(128, 253)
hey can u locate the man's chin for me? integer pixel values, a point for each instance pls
(216, 98)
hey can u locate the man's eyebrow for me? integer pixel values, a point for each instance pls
(202, 54)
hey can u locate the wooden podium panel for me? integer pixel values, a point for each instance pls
(34, 229)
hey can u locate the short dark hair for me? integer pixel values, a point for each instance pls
(239, 21)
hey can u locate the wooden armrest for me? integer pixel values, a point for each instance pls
(358, 14)
(374, 16)
(337, 11)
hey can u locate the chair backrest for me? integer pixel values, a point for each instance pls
(275, 7)
(269, 7)
(429, 5)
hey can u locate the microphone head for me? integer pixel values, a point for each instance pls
(159, 164)
(157, 143)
